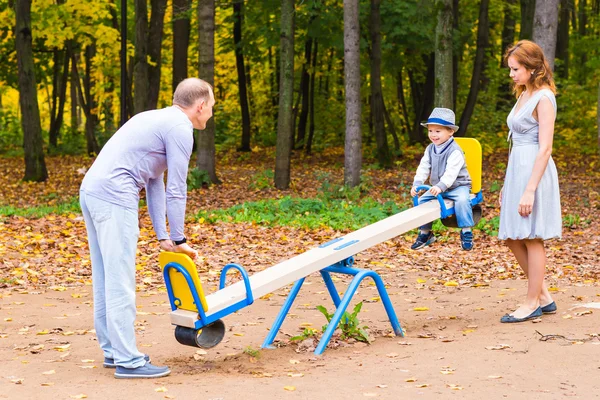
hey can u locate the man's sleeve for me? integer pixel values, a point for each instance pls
(179, 144)
(155, 197)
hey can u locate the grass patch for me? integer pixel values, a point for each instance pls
(71, 206)
(305, 213)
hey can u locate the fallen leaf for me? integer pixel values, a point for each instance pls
(289, 388)
(498, 347)
(421, 309)
(161, 389)
(51, 372)
(62, 348)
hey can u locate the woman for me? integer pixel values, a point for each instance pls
(530, 199)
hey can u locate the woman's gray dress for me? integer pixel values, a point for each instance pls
(545, 221)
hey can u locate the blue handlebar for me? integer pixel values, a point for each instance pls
(444, 211)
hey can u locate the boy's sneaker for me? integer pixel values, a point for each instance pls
(145, 371)
(110, 362)
(424, 239)
(466, 240)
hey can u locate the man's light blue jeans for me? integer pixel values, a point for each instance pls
(113, 233)
(462, 206)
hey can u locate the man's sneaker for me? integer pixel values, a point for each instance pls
(145, 371)
(110, 362)
(424, 239)
(466, 240)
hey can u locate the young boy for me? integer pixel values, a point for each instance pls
(444, 164)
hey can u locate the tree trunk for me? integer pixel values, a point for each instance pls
(285, 130)
(582, 70)
(274, 82)
(443, 55)
(304, 90)
(562, 39)
(508, 29)
(402, 100)
(598, 117)
(377, 107)
(89, 104)
(311, 103)
(148, 41)
(353, 141)
(73, 92)
(35, 165)
(238, 9)
(545, 25)
(59, 95)
(527, 13)
(181, 40)
(422, 94)
(205, 142)
(455, 56)
(141, 74)
(478, 66)
(392, 128)
(87, 101)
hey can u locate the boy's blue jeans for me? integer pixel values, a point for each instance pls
(462, 206)
(113, 233)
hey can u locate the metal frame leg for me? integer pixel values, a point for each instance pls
(337, 316)
(282, 314)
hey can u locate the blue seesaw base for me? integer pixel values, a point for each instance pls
(342, 267)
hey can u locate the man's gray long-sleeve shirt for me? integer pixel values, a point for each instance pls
(136, 156)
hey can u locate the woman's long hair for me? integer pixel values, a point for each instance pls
(531, 56)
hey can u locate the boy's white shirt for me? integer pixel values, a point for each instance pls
(454, 164)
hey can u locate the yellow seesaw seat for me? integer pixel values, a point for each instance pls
(179, 285)
(473, 157)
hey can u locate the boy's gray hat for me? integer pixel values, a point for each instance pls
(441, 116)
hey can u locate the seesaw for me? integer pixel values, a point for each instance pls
(197, 317)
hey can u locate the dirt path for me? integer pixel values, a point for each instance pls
(48, 348)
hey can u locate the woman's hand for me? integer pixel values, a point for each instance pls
(413, 191)
(526, 203)
(500, 197)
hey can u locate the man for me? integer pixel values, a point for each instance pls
(136, 156)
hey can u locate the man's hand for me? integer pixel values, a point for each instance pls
(185, 249)
(167, 245)
(435, 190)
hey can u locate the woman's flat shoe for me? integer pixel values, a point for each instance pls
(510, 319)
(549, 308)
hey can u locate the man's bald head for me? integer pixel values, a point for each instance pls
(190, 90)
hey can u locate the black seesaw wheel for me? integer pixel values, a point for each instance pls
(207, 337)
(450, 222)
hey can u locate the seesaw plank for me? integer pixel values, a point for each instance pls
(315, 259)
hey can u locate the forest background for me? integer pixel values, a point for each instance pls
(292, 112)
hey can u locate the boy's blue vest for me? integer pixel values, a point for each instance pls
(438, 166)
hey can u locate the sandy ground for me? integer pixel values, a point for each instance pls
(457, 349)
